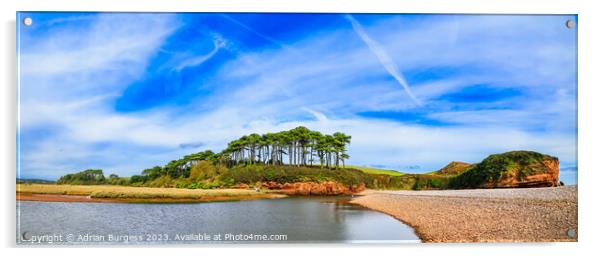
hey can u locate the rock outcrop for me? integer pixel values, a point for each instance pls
(313, 188)
(515, 169)
(546, 176)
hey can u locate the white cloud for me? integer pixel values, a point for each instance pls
(218, 43)
(114, 41)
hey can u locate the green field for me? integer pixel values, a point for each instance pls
(372, 170)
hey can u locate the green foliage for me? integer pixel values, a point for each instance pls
(452, 169)
(153, 173)
(161, 182)
(408, 182)
(181, 183)
(137, 180)
(251, 174)
(181, 167)
(212, 185)
(114, 179)
(429, 182)
(204, 170)
(87, 177)
(515, 163)
(297, 147)
(300, 146)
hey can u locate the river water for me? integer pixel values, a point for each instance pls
(287, 220)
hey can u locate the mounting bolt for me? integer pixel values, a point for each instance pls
(570, 23)
(27, 21)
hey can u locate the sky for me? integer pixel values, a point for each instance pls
(126, 91)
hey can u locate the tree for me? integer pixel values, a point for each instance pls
(299, 144)
(137, 179)
(153, 173)
(314, 138)
(343, 157)
(86, 177)
(181, 167)
(339, 147)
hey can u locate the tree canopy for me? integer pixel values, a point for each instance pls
(296, 147)
(87, 177)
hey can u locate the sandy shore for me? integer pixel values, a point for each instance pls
(88, 199)
(123, 194)
(482, 215)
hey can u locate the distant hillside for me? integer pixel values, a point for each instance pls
(36, 181)
(510, 169)
(453, 168)
(372, 170)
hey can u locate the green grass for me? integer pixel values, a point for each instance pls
(372, 170)
(452, 169)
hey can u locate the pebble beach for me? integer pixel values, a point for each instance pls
(482, 215)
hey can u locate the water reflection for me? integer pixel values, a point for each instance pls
(301, 219)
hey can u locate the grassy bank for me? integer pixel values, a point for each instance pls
(372, 170)
(373, 178)
(251, 174)
(127, 193)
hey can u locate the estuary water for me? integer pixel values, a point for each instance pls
(287, 220)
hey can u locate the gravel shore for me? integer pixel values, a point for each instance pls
(482, 215)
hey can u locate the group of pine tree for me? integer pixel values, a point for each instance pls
(303, 155)
(298, 147)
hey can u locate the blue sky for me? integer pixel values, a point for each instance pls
(124, 92)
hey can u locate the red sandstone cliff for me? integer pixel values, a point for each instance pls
(547, 176)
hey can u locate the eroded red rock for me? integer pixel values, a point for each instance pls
(549, 178)
(314, 188)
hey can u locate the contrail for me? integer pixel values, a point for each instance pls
(269, 39)
(382, 56)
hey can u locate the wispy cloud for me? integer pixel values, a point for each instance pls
(218, 43)
(319, 116)
(383, 57)
(261, 35)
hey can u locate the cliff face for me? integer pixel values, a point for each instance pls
(546, 176)
(515, 169)
(313, 188)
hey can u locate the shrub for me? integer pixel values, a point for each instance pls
(137, 179)
(251, 174)
(162, 182)
(205, 170)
